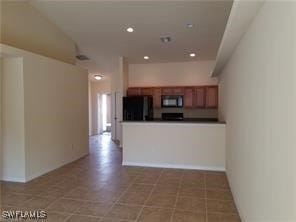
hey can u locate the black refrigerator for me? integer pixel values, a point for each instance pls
(138, 108)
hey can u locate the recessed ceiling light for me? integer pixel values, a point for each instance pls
(98, 77)
(129, 29)
(165, 39)
(189, 25)
(146, 57)
(192, 54)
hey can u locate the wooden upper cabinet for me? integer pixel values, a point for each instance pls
(167, 91)
(146, 91)
(172, 91)
(194, 96)
(200, 97)
(157, 97)
(212, 97)
(135, 91)
(188, 97)
(178, 91)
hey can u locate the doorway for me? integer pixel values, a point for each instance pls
(99, 107)
(104, 113)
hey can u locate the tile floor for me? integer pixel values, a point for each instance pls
(98, 188)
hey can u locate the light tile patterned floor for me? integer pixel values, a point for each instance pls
(98, 188)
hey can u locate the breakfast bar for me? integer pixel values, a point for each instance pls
(174, 144)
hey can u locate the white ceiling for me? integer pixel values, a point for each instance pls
(98, 28)
(241, 16)
(93, 69)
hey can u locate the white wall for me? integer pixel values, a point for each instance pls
(55, 96)
(197, 146)
(97, 88)
(13, 165)
(258, 102)
(171, 74)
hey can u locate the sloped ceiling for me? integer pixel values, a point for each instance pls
(99, 29)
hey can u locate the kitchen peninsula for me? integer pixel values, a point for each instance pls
(174, 144)
(173, 138)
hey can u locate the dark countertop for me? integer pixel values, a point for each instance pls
(185, 120)
(189, 120)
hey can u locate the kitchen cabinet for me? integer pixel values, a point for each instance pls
(188, 97)
(200, 97)
(157, 98)
(167, 91)
(212, 97)
(134, 91)
(178, 91)
(173, 91)
(146, 91)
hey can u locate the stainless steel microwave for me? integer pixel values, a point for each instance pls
(171, 101)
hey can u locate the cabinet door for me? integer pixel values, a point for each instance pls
(146, 91)
(133, 91)
(167, 91)
(157, 97)
(178, 91)
(212, 97)
(173, 91)
(199, 97)
(188, 97)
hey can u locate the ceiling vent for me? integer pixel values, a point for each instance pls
(165, 39)
(82, 57)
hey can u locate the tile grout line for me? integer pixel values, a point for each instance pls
(150, 194)
(117, 200)
(64, 197)
(177, 197)
(84, 171)
(67, 217)
(155, 184)
(70, 214)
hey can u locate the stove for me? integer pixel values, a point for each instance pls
(172, 116)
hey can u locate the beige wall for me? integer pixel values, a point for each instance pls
(55, 112)
(57, 116)
(125, 73)
(89, 109)
(13, 150)
(108, 108)
(1, 138)
(101, 86)
(258, 102)
(171, 74)
(23, 27)
(119, 85)
(196, 146)
(97, 89)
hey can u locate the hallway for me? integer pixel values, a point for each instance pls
(98, 188)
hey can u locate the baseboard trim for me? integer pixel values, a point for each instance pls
(14, 179)
(235, 199)
(38, 174)
(176, 166)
